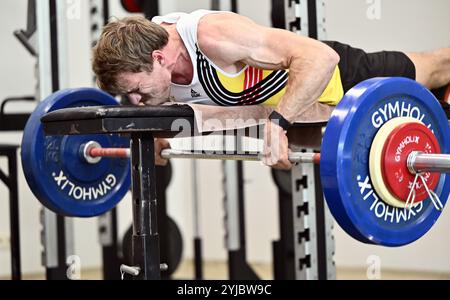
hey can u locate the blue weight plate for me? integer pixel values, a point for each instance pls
(57, 173)
(345, 156)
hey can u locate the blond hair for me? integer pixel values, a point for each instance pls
(126, 45)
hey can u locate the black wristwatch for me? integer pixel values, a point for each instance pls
(278, 119)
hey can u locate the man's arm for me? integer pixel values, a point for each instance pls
(232, 41)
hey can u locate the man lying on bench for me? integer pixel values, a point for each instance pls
(221, 58)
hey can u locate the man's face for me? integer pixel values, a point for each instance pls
(147, 88)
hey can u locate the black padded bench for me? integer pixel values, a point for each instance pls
(157, 120)
(127, 119)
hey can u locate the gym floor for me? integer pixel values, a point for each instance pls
(218, 271)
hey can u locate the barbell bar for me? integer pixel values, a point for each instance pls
(93, 152)
(420, 163)
(417, 162)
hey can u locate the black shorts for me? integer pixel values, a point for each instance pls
(356, 65)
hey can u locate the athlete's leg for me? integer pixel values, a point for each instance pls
(357, 65)
(432, 69)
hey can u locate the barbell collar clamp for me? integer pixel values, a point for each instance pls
(85, 152)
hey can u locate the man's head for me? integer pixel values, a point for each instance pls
(128, 59)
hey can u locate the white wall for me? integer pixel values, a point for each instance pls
(16, 78)
(404, 25)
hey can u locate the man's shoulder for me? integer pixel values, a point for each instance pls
(216, 20)
(213, 15)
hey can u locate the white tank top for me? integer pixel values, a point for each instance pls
(210, 84)
(213, 86)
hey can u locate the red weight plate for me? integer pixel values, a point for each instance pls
(403, 140)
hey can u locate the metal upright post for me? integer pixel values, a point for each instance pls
(10, 181)
(304, 214)
(215, 4)
(146, 254)
(56, 235)
(321, 20)
(235, 222)
(14, 215)
(325, 236)
(198, 264)
(107, 223)
(313, 236)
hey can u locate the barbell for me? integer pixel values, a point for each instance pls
(383, 161)
(417, 162)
